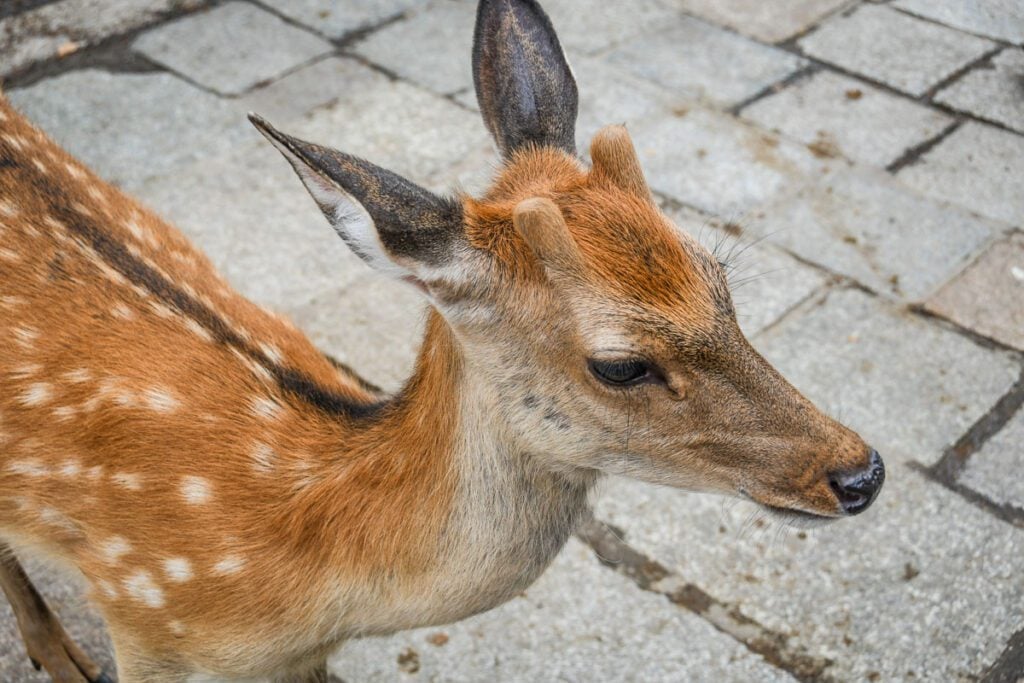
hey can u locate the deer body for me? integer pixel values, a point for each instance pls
(238, 505)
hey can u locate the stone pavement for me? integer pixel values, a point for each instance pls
(872, 153)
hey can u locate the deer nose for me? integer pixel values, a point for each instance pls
(856, 490)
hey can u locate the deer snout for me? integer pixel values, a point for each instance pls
(857, 489)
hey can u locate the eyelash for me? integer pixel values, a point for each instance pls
(623, 373)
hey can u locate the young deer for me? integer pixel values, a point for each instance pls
(240, 506)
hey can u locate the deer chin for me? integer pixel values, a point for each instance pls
(792, 516)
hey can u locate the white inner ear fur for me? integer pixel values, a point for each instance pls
(348, 216)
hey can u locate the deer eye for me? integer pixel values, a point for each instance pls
(621, 372)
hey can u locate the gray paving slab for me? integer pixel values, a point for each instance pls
(401, 127)
(61, 28)
(835, 114)
(65, 597)
(588, 28)
(704, 62)
(271, 241)
(338, 18)
(978, 167)
(132, 127)
(992, 92)
(988, 297)
(765, 282)
(1001, 19)
(992, 470)
(575, 624)
(720, 165)
(910, 387)
(296, 94)
(230, 48)
(375, 325)
(431, 46)
(768, 22)
(862, 224)
(904, 52)
(924, 586)
(610, 95)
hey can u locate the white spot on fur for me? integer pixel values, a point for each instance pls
(78, 376)
(231, 564)
(36, 394)
(178, 569)
(12, 301)
(160, 400)
(65, 413)
(176, 627)
(40, 166)
(15, 141)
(198, 330)
(94, 473)
(160, 309)
(127, 480)
(265, 407)
(30, 467)
(272, 353)
(114, 548)
(141, 586)
(8, 255)
(263, 457)
(25, 336)
(195, 490)
(122, 311)
(70, 468)
(107, 589)
(74, 171)
(55, 517)
(26, 370)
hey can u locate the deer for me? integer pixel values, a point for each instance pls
(238, 506)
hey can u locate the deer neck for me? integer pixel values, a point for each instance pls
(457, 517)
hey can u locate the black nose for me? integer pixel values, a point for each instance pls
(857, 490)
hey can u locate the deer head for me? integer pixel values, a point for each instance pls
(607, 337)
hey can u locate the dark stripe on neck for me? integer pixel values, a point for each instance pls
(118, 257)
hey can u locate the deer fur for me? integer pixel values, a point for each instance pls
(239, 505)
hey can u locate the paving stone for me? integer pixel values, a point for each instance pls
(765, 282)
(910, 387)
(988, 297)
(62, 27)
(861, 223)
(64, 595)
(587, 27)
(338, 18)
(1000, 19)
(720, 165)
(924, 586)
(230, 48)
(979, 167)
(305, 89)
(609, 95)
(375, 326)
(251, 215)
(992, 470)
(835, 114)
(430, 46)
(704, 62)
(132, 127)
(401, 127)
(768, 22)
(904, 52)
(579, 622)
(991, 92)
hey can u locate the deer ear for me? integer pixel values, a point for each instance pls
(391, 223)
(525, 88)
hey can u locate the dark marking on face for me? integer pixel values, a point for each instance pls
(559, 419)
(118, 257)
(530, 401)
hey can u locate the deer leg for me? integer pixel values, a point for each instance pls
(49, 646)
